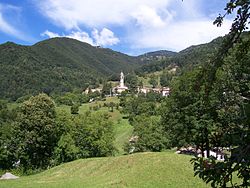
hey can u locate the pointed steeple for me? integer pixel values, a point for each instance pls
(122, 80)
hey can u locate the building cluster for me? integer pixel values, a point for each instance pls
(164, 91)
(217, 153)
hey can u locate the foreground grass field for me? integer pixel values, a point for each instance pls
(165, 169)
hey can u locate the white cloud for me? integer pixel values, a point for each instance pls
(50, 34)
(71, 14)
(5, 26)
(147, 16)
(105, 37)
(102, 38)
(78, 35)
(179, 35)
(81, 36)
(180, 27)
(144, 24)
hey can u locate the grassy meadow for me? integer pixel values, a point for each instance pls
(165, 169)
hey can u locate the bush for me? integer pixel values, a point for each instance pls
(94, 135)
(66, 149)
(74, 109)
(150, 134)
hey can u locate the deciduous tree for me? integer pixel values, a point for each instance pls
(35, 132)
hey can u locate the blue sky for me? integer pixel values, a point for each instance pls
(128, 26)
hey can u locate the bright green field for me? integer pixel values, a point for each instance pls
(86, 106)
(123, 131)
(165, 169)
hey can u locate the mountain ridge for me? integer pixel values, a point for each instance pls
(57, 65)
(60, 65)
(186, 59)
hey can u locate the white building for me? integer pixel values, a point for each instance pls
(144, 90)
(121, 87)
(218, 155)
(165, 91)
(88, 90)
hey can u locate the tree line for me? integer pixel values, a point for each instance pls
(35, 136)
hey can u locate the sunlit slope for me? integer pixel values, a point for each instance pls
(164, 169)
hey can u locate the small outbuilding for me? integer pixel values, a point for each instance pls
(8, 176)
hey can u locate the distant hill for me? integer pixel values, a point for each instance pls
(57, 65)
(163, 53)
(198, 54)
(186, 59)
(156, 55)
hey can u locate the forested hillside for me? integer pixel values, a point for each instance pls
(187, 59)
(57, 65)
(156, 55)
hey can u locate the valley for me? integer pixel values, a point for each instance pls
(77, 112)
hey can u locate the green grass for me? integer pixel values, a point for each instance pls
(165, 169)
(13, 105)
(86, 106)
(123, 131)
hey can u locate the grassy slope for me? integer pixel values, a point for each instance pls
(164, 169)
(123, 131)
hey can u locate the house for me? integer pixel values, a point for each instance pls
(165, 91)
(88, 90)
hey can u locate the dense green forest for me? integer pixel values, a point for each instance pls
(57, 65)
(186, 59)
(149, 57)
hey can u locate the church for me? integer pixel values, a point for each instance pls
(121, 87)
(164, 91)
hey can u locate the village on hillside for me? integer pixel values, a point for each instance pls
(117, 90)
(128, 93)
